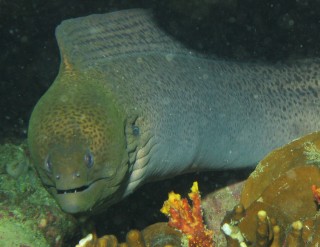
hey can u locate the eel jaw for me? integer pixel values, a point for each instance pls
(78, 200)
(75, 190)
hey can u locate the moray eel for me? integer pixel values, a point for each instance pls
(131, 104)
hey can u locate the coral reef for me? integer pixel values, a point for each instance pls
(156, 235)
(185, 227)
(266, 231)
(279, 201)
(316, 193)
(188, 219)
(28, 214)
(13, 159)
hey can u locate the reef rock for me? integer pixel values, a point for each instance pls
(28, 214)
(280, 201)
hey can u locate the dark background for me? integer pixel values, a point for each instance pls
(268, 31)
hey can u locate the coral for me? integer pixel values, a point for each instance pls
(268, 233)
(277, 207)
(312, 153)
(316, 193)
(188, 219)
(156, 235)
(14, 159)
(29, 216)
(284, 160)
(91, 240)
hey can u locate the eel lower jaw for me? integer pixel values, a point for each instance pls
(75, 190)
(77, 200)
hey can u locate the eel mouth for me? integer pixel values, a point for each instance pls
(80, 199)
(74, 190)
(79, 189)
(76, 199)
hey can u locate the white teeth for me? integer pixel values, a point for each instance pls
(65, 192)
(75, 191)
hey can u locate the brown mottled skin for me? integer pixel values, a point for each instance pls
(130, 105)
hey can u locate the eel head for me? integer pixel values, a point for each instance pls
(78, 146)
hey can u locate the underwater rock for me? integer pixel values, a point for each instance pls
(13, 159)
(29, 216)
(301, 152)
(281, 189)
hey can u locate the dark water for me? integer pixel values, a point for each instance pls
(244, 30)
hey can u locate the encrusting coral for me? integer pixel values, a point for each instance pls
(268, 233)
(185, 227)
(28, 214)
(280, 200)
(156, 235)
(188, 219)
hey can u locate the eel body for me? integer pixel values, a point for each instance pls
(131, 104)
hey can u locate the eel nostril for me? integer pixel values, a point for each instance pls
(76, 175)
(57, 177)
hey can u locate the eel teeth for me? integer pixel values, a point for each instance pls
(74, 190)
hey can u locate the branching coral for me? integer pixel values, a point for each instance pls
(316, 193)
(188, 219)
(267, 232)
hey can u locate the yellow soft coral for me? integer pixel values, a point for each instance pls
(188, 219)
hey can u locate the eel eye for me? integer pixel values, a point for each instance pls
(48, 164)
(135, 130)
(88, 159)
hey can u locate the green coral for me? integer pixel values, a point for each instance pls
(16, 233)
(312, 153)
(29, 216)
(13, 159)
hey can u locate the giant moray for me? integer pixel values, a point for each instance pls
(131, 104)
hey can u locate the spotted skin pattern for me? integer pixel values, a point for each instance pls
(132, 105)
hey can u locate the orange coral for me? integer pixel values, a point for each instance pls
(316, 193)
(188, 219)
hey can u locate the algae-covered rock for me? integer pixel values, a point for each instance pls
(18, 233)
(303, 152)
(28, 214)
(13, 160)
